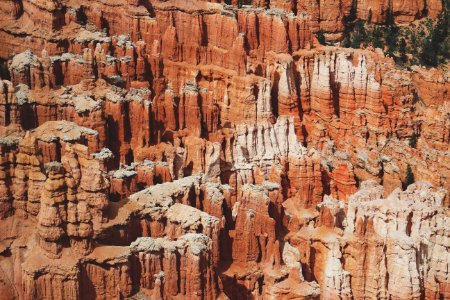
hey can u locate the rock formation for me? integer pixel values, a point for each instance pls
(215, 150)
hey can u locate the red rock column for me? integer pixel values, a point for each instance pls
(306, 180)
(53, 215)
(5, 192)
(94, 185)
(79, 218)
(9, 108)
(179, 268)
(321, 94)
(88, 64)
(28, 177)
(255, 230)
(192, 113)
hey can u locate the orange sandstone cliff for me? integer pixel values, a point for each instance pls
(173, 149)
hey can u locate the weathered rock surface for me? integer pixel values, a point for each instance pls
(182, 267)
(214, 150)
(366, 250)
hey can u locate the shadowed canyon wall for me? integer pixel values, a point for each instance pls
(215, 150)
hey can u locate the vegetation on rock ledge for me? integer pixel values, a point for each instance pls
(425, 42)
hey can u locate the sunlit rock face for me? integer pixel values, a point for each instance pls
(215, 150)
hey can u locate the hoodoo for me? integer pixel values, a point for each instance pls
(224, 149)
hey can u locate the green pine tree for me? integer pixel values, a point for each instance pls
(321, 37)
(353, 11)
(389, 16)
(402, 50)
(413, 141)
(377, 38)
(409, 177)
(391, 39)
(369, 16)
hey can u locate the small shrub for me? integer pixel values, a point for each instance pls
(409, 177)
(321, 37)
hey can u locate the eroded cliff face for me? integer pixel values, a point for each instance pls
(204, 150)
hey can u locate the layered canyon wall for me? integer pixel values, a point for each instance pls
(208, 150)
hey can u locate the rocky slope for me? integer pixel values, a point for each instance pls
(208, 150)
